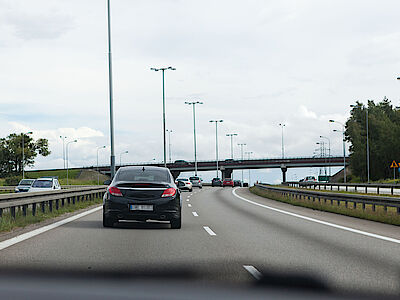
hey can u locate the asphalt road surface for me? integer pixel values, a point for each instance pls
(226, 238)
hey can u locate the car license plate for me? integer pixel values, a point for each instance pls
(141, 207)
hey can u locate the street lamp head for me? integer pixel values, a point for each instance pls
(154, 69)
(30, 132)
(171, 68)
(335, 130)
(332, 121)
(198, 102)
(220, 120)
(75, 141)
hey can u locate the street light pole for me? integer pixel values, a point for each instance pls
(98, 174)
(216, 139)
(23, 154)
(169, 145)
(344, 148)
(120, 157)
(163, 95)
(194, 132)
(283, 147)
(241, 146)
(67, 157)
(63, 140)
(112, 156)
(231, 135)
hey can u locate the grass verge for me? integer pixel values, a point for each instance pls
(7, 223)
(379, 215)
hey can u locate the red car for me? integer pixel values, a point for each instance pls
(227, 182)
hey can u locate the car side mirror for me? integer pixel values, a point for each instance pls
(107, 182)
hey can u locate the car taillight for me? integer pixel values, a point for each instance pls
(115, 191)
(170, 192)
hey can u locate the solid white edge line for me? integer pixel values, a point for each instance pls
(377, 236)
(253, 271)
(209, 231)
(30, 234)
(195, 214)
(189, 205)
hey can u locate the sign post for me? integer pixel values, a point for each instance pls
(394, 166)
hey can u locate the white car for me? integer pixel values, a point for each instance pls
(43, 184)
(188, 184)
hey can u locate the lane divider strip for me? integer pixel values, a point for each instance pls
(195, 214)
(15, 240)
(377, 236)
(189, 205)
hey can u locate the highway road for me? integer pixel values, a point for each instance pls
(228, 235)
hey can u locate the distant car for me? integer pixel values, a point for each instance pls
(181, 162)
(141, 194)
(24, 185)
(216, 182)
(237, 183)
(227, 182)
(43, 184)
(310, 179)
(196, 181)
(188, 184)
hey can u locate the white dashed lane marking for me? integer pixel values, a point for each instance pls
(253, 271)
(195, 214)
(209, 231)
(189, 205)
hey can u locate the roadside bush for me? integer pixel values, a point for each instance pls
(12, 180)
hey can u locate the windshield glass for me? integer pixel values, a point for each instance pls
(26, 182)
(127, 112)
(42, 184)
(138, 175)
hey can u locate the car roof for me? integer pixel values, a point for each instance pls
(141, 168)
(45, 178)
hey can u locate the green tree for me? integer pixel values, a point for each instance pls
(11, 156)
(384, 144)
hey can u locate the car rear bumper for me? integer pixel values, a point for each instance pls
(163, 210)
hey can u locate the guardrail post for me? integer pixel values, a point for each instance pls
(385, 208)
(366, 190)
(50, 205)
(338, 187)
(354, 205)
(12, 210)
(33, 209)
(377, 190)
(355, 188)
(331, 187)
(1, 212)
(346, 188)
(43, 206)
(73, 200)
(373, 207)
(24, 210)
(391, 190)
(57, 203)
(398, 211)
(62, 202)
(345, 203)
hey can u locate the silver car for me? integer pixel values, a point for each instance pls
(196, 181)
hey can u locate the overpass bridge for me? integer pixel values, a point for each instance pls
(227, 166)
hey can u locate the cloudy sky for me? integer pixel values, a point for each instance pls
(254, 64)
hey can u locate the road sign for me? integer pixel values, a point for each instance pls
(394, 164)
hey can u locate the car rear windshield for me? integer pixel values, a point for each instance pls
(43, 184)
(140, 175)
(194, 178)
(182, 179)
(25, 182)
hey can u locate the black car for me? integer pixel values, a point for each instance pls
(141, 194)
(216, 182)
(237, 183)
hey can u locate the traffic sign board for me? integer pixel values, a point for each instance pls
(394, 164)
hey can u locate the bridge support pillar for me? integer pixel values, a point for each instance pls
(284, 170)
(227, 173)
(175, 174)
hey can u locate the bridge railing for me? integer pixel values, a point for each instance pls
(53, 199)
(365, 187)
(335, 198)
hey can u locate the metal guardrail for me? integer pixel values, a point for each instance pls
(338, 197)
(364, 186)
(25, 200)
